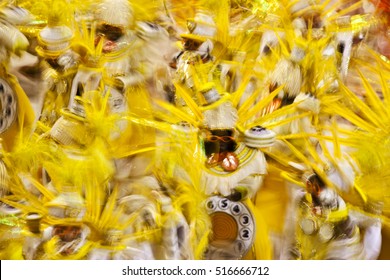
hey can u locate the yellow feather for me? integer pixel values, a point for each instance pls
(313, 152)
(236, 96)
(373, 99)
(336, 142)
(290, 178)
(108, 210)
(178, 113)
(286, 120)
(42, 189)
(247, 115)
(345, 11)
(385, 89)
(314, 166)
(182, 92)
(350, 116)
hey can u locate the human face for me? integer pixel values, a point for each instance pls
(190, 45)
(313, 187)
(111, 33)
(110, 36)
(67, 233)
(219, 141)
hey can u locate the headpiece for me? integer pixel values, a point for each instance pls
(116, 13)
(201, 28)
